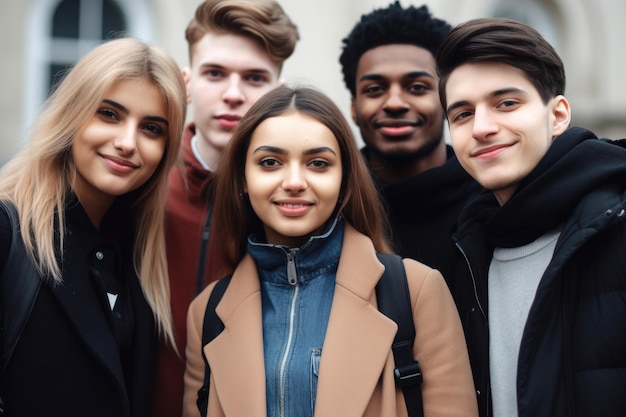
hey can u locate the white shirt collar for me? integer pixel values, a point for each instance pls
(196, 153)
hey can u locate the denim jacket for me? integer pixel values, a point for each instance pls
(297, 287)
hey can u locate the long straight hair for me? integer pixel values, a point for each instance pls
(39, 178)
(359, 203)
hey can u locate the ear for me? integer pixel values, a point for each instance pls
(560, 115)
(186, 72)
(353, 111)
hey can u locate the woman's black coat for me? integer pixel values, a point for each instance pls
(67, 362)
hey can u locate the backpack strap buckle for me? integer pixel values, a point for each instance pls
(408, 375)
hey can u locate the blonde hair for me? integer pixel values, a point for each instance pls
(261, 20)
(38, 179)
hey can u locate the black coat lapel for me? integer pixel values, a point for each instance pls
(77, 296)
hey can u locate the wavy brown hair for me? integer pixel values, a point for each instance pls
(264, 21)
(359, 203)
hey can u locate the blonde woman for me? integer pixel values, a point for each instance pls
(83, 203)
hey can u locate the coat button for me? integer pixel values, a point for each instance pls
(99, 255)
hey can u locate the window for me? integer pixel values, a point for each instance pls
(62, 31)
(77, 25)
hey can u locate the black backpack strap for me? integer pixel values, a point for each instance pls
(211, 327)
(19, 286)
(204, 243)
(394, 301)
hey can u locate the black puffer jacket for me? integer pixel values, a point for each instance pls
(572, 359)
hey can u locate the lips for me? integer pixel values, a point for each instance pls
(293, 209)
(119, 164)
(228, 121)
(396, 127)
(491, 151)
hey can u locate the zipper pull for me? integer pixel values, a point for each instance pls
(291, 269)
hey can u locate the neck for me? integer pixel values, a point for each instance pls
(393, 170)
(95, 210)
(210, 154)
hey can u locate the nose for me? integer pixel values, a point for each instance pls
(395, 102)
(126, 141)
(483, 124)
(294, 180)
(233, 95)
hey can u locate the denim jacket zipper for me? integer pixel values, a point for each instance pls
(292, 277)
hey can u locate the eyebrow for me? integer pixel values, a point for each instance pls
(274, 149)
(495, 93)
(124, 110)
(412, 74)
(209, 65)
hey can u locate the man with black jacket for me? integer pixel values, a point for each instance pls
(542, 286)
(388, 63)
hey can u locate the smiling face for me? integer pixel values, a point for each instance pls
(397, 105)
(293, 176)
(499, 126)
(122, 144)
(228, 74)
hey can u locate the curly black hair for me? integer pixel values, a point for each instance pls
(392, 25)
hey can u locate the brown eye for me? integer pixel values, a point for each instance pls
(269, 162)
(154, 130)
(319, 163)
(107, 113)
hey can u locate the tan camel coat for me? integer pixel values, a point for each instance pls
(356, 367)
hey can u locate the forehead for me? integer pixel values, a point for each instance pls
(233, 51)
(474, 81)
(138, 95)
(294, 132)
(395, 60)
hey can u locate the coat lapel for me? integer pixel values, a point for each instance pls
(236, 354)
(78, 298)
(358, 339)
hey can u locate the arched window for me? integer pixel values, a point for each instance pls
(80, 24)
(62, 31)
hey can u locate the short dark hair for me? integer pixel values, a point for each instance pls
(506, 41)
(392, 25)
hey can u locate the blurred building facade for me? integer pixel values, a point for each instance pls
(44, 37)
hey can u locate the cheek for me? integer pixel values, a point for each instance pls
(81, 146)
(77, 153)
(459, 144)
(204, 92)
(152, 153)
(365, 108)
(429, 104)
(331, 188)
(255, 184)
(261, 184)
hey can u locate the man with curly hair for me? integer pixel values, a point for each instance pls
(388, 63)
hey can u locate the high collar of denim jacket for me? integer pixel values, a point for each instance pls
(318, 256)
